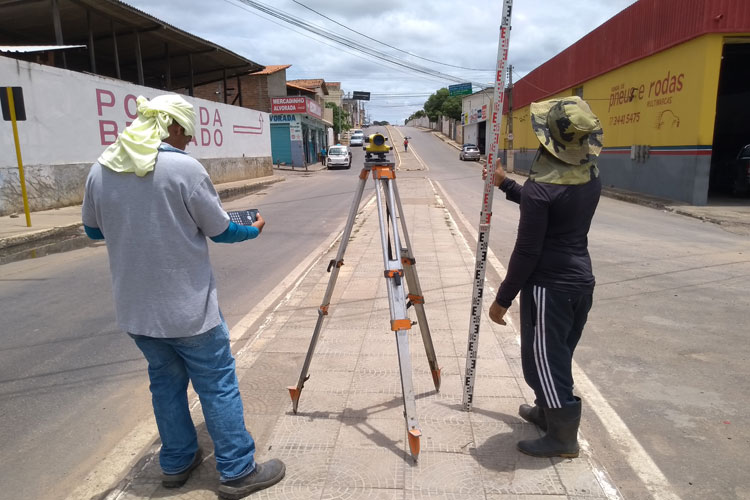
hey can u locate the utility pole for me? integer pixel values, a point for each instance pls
(509, 156)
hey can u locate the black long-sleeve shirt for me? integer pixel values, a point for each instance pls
(552, 243)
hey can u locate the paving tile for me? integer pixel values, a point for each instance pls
(336, 362)
(306, 470)
(316, 404)
(438, 473)
(443, 495)
(299, 431)
(366, 468)
(372, 433)
(578, 478)
(496, 387)
(375, 406)
(527, 497)
(326, 381)
(448, 437)
(350, 493)
(494, 409)
(499, 438)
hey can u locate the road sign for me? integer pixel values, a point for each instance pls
(361, 96)
(460, 89)
(17, 100)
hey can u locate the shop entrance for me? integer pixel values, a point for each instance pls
(482, 136)
(731, 131)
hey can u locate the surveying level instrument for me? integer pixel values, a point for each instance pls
(400, 269)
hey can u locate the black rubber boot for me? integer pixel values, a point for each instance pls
(533, 414)
(561, 439)
(265, 475)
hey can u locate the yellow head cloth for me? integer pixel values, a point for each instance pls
(136, 147)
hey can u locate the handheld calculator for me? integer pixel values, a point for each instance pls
(243, 217)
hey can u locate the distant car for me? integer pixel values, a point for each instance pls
(469, 152)
(357, 139)
(338, 156)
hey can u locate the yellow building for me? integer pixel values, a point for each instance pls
(671, 86)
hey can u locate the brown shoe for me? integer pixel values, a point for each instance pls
(177, 480)
(264, 475)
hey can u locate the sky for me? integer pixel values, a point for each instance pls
(457, 39)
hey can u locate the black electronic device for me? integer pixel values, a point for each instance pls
(244, 217)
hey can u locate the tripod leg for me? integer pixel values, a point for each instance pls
(400, 322)
(415, 295)
(333, 268)
(407, 389)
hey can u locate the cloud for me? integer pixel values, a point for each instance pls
(461, 34)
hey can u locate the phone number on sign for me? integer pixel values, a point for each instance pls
(624, 119)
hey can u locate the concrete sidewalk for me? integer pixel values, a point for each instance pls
(348, 439)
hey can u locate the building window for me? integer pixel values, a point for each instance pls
(578, 91)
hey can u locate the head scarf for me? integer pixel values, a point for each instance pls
(550, 170)
(136, 147)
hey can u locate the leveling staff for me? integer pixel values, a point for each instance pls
(155, 206)
(551, 267)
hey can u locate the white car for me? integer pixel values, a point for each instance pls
(357, 139)
(338, 156)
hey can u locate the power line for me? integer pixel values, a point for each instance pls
(322, 32)
(387, 45)
(401, 70)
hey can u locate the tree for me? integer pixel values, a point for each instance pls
(441, 103)
(417, 114)
(340, 118)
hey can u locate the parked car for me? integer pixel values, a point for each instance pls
(357, 139)
(338, 156)
(469, 152)
(741, 169)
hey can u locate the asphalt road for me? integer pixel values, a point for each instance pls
(666, 344)
(72, 384)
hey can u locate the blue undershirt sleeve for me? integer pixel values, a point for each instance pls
(93, 232)
(236, 233)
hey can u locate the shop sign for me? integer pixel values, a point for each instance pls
(283, 118)
(297, 105)
(295, 131)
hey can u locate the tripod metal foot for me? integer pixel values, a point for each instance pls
(295, 394)
(436, 378)
(414, 435)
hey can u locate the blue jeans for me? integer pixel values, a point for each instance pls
(207, 361)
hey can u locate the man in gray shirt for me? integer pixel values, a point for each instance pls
(155, 206)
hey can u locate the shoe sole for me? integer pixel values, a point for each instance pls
(243, 492)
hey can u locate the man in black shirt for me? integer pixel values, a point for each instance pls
(550, 265)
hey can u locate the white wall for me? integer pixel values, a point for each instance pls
(72, 117)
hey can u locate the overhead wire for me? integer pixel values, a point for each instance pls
(317, 39)
(352, 44)
(386, 44)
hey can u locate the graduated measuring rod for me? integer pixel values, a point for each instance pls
(486, 214)
(400, 267)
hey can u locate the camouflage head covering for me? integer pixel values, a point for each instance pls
(568, 129)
